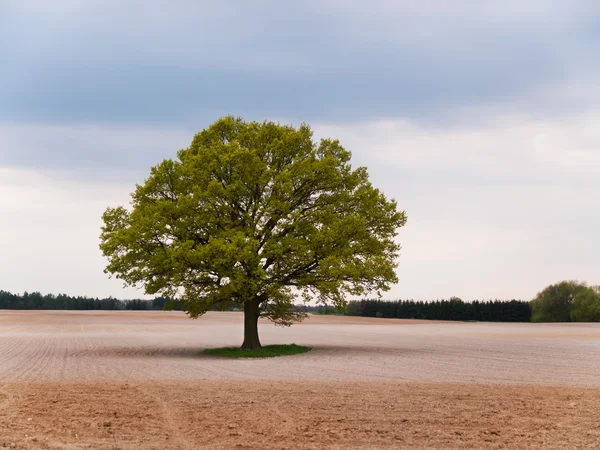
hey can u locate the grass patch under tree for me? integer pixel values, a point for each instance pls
(268, 351)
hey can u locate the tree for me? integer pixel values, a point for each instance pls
(555, 303)
(255, 214)
(586, 306)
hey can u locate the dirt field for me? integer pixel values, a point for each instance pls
(75, 380)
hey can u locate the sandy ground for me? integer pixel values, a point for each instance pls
(128, 380)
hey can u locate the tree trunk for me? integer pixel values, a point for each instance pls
(251, 315)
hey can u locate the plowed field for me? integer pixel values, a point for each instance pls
(139, 380)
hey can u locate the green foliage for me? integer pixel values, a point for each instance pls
(556, 302)
(37, 301)
(255, 213)
(586, 306)
(267, 351)
(452, 309)
(326, 310)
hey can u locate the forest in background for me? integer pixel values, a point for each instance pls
(567, 301)
(35, 300)
(452, 309)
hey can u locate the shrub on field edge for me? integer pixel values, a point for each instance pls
(566, 301)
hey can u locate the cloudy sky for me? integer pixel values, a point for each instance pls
(482, 118)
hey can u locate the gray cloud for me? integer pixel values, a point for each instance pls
(189, 62)
(88, 151)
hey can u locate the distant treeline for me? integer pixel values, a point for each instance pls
(452, 309)
(35, 300)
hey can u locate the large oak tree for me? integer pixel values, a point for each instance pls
(255, 215)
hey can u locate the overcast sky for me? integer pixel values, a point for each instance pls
(482, 118)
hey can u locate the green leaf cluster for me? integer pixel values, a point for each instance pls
(567, 301)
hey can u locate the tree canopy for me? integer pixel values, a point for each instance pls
(255, 214)
(566, 301)
(586, 306)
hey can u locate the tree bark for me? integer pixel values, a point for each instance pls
(251, 315)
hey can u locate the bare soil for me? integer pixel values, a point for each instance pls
(306, 415)
(125, 380)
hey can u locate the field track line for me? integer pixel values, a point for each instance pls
(4, 398)
(166, 411)
(6, 401)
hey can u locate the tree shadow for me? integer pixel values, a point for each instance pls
(147, 352)
(362, 351)
(317, 351)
